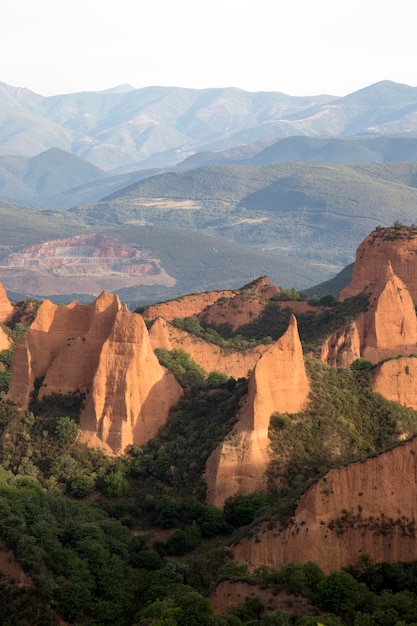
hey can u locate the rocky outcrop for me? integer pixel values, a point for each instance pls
(395, 380)
(366, 508)
(62, 346)
(131, 393)
(387, 328)
(242, 307)
(399, 245)
(210, 357)
(342, 347)
(185, 306)
(6, 307)
(234, 312)
(248, 305)
(233, 308)
(81, 348)
(278, 383)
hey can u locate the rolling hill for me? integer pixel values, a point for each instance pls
(338, 150)
(41, 259)
(314, 211)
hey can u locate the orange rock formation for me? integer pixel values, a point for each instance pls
(210, 357)
(74, 346)
(395, 380)
(241, 307)
(387, 328)
(367, 508)
(131, 393)
(278, 383)
(6, 307)
(185, 306)
(399, 245)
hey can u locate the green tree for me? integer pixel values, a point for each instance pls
(66, 429)
(337, 592)
(81, 486)
(251, 609)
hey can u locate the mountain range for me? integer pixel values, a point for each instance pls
(161, 126)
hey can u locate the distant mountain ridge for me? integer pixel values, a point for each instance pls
(160, 126)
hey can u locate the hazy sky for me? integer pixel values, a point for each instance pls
(299, 47)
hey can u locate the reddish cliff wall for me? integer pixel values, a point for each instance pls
(396, 380)
(68, 337)
(365, 508)
(131, 393)
(185, 306)
(396, 245)
(387, 328)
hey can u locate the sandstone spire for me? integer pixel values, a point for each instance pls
(397, 244)
(62, 345)
(278, 383)
(131, 393)
(387, 328)
(6, 307)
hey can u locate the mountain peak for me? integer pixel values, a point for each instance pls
(123, 88)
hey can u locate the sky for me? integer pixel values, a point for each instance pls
(298, 47)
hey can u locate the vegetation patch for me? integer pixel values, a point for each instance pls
(271, 324)
(345, 421)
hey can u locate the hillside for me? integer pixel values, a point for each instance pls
(58, 179)
(167, 262)
(314, 211)
(379, 148)
(215, 227)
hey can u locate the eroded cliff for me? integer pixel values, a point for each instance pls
(278, 383)
(397, 244)
(104, 351)
(366, 508)
(242, 307)
(185, 306)
(6, 307)
(387, 328)
(395, 380)
(131, 393)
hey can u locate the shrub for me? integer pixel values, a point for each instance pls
(361, 364)
(81, 486)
